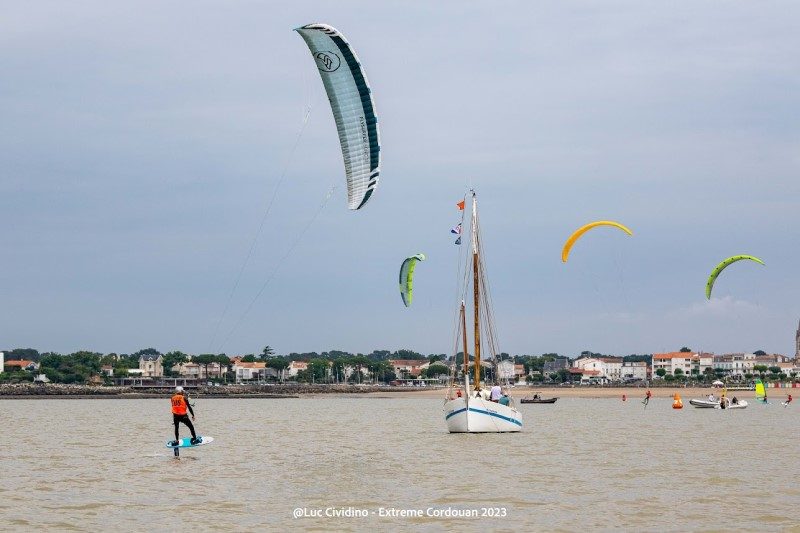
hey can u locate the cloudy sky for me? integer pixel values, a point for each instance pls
(141, 144)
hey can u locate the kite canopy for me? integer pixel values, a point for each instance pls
(407, 277)
(583, 229)
(353, 109)
(722, 266)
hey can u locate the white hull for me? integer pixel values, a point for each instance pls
(707, 404)
(741, 405)
(481, 416)
(711, 404)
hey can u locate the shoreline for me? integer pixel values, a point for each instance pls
(293, 391)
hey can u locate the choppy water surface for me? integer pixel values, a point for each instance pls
(580, 464)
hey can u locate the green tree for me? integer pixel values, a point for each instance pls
(678, 372)
(249, 358)
(685, 350)
(280, 365)
(661, 372)
(22, 354)
(171, 359)
(146, 351)
(267, 352)
(408, 354)
(382, 371)
(318, 370)
(759, 352)
(224, 365)
(205, 359)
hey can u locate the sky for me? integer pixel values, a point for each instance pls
(142, 144)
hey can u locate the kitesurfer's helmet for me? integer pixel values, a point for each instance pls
(179, 389)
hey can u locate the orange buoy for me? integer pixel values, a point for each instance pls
(676, 401)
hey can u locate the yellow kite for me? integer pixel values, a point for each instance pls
(580, 231)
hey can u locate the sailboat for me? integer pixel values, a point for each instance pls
(473, 411)
(761, 392)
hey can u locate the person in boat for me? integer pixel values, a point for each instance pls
(711, 398)
(180, 404)
(497, 392)
(536, 396)
(735, 400)
(504, 399)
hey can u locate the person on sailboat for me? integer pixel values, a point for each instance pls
(504, 399)
(497, 392)
(458, 393)
(180, 403)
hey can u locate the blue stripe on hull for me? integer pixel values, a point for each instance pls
(482, 412)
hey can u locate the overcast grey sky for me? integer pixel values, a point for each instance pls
(141, 142)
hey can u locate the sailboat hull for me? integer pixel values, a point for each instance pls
(481, 416)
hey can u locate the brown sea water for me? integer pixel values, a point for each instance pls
(88, 465)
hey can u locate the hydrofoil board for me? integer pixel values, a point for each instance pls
(186, 442)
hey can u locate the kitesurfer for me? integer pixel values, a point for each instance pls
(180, 404)
(647, 397)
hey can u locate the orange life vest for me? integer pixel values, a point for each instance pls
(178, 405)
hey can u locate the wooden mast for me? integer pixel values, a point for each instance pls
(475, 291)
(466, 357)
(464, 331)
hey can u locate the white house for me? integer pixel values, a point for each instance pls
(673, 361)
(408, 367)
(295, 367)
(250, 371)
(634, 370)
(734, 364)
(150, 365)
(2, 361)
(607, 368)
(507, 369)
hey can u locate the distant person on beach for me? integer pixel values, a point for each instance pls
(180, 403)
(788, 399)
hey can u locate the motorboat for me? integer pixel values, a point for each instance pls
(704, 404)
(537, 399)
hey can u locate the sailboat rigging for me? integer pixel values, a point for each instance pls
(478, 409)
